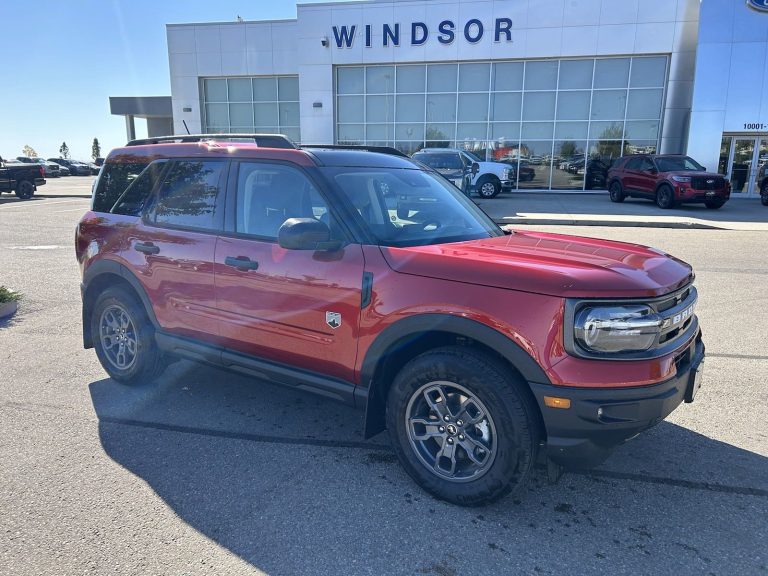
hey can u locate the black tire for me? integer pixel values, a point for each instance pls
(147, 362)
(665, 197)
(488, 187)
(616, 192)
(714, 204)
(25, 190)
(509, 421)
(764, 194)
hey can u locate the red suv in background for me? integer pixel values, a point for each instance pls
(368, 279)
(668, 179)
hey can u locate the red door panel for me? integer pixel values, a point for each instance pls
(281, 310)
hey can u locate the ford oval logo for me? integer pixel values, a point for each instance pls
(761, 5)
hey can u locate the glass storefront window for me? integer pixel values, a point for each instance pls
(725, 152)
(473, 107)
(379, 109)
(644, 104)
(568, 165)
(441, 108)
(268, 104)
(576, 74)
(573, 105)
(649, 72)
(609, 105)
(411, 78)
(474, 77)
(379, 79)
(350, 80)
(442, 77)
(507, 76)
(240, 90)
(612, 73)
(541, 75)
(506, 106)
(539, 106)
(264, 90)
(534, 112)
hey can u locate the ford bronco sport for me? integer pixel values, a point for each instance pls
(366, 278)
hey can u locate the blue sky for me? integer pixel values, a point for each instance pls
(61, 61)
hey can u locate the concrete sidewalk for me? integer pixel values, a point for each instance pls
(596, 209)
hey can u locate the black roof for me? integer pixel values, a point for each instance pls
(358, 158)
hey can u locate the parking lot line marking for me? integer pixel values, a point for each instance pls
(41, 247)
(71, 210)
(43, 203)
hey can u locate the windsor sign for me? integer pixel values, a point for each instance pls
(446, 33)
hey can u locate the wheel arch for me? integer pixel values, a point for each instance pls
(407, 338)
(106, 274)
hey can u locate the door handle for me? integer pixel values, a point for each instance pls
(146, 248)
(242, 263)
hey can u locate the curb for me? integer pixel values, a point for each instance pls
(614, 223)
(8, 309)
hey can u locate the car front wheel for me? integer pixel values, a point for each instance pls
(665, 197)
(764, 194)
(461, 426)
(616, 192)
(488, 188)
(124, 339)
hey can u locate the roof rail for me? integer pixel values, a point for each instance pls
(380, 149)
(263, 140)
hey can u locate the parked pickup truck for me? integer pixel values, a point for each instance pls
(23, 179)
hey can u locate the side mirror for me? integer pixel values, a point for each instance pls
(306, 234)
(475, 168)
(653, 171)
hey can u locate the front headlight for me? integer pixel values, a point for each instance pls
(505, 174)
(681, 179)
(615, 329)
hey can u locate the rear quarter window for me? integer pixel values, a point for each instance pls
(115, 177)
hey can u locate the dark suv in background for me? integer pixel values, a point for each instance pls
(668, 179)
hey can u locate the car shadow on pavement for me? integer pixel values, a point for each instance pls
(284, 480)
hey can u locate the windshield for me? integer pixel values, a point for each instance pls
(678, 164)
(406, 207)
(474, 157)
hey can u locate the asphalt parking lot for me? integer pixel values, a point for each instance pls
(207, 472)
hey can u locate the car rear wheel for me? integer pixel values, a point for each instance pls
(462, 426)
(124, 339)
(616, 192)
(488, 187)
(25, 190)
(665, 197)
(764, 194)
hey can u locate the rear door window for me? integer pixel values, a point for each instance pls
(190, 195)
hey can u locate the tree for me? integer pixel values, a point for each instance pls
(64, 150)
(95, 149)
(567, 149)
(28, 151)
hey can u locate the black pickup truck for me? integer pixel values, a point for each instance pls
(23, 179)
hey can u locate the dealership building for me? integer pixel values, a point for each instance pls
(563, 86)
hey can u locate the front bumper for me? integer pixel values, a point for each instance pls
(578, 437)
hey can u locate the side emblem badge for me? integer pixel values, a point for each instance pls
(761, 5)
(333, 319)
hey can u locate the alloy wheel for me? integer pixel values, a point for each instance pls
(451, 431)
(118, 337)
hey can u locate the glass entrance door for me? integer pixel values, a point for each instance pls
(747, 158)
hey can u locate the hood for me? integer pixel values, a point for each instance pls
(554, 264)
(693, 174)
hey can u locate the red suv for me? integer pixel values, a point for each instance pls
(667, 179)
(368, 279)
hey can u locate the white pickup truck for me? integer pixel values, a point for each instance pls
(490, 179)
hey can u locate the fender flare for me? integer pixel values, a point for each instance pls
(100, 268)
(372, 394)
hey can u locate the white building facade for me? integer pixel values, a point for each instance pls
(562, 86)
